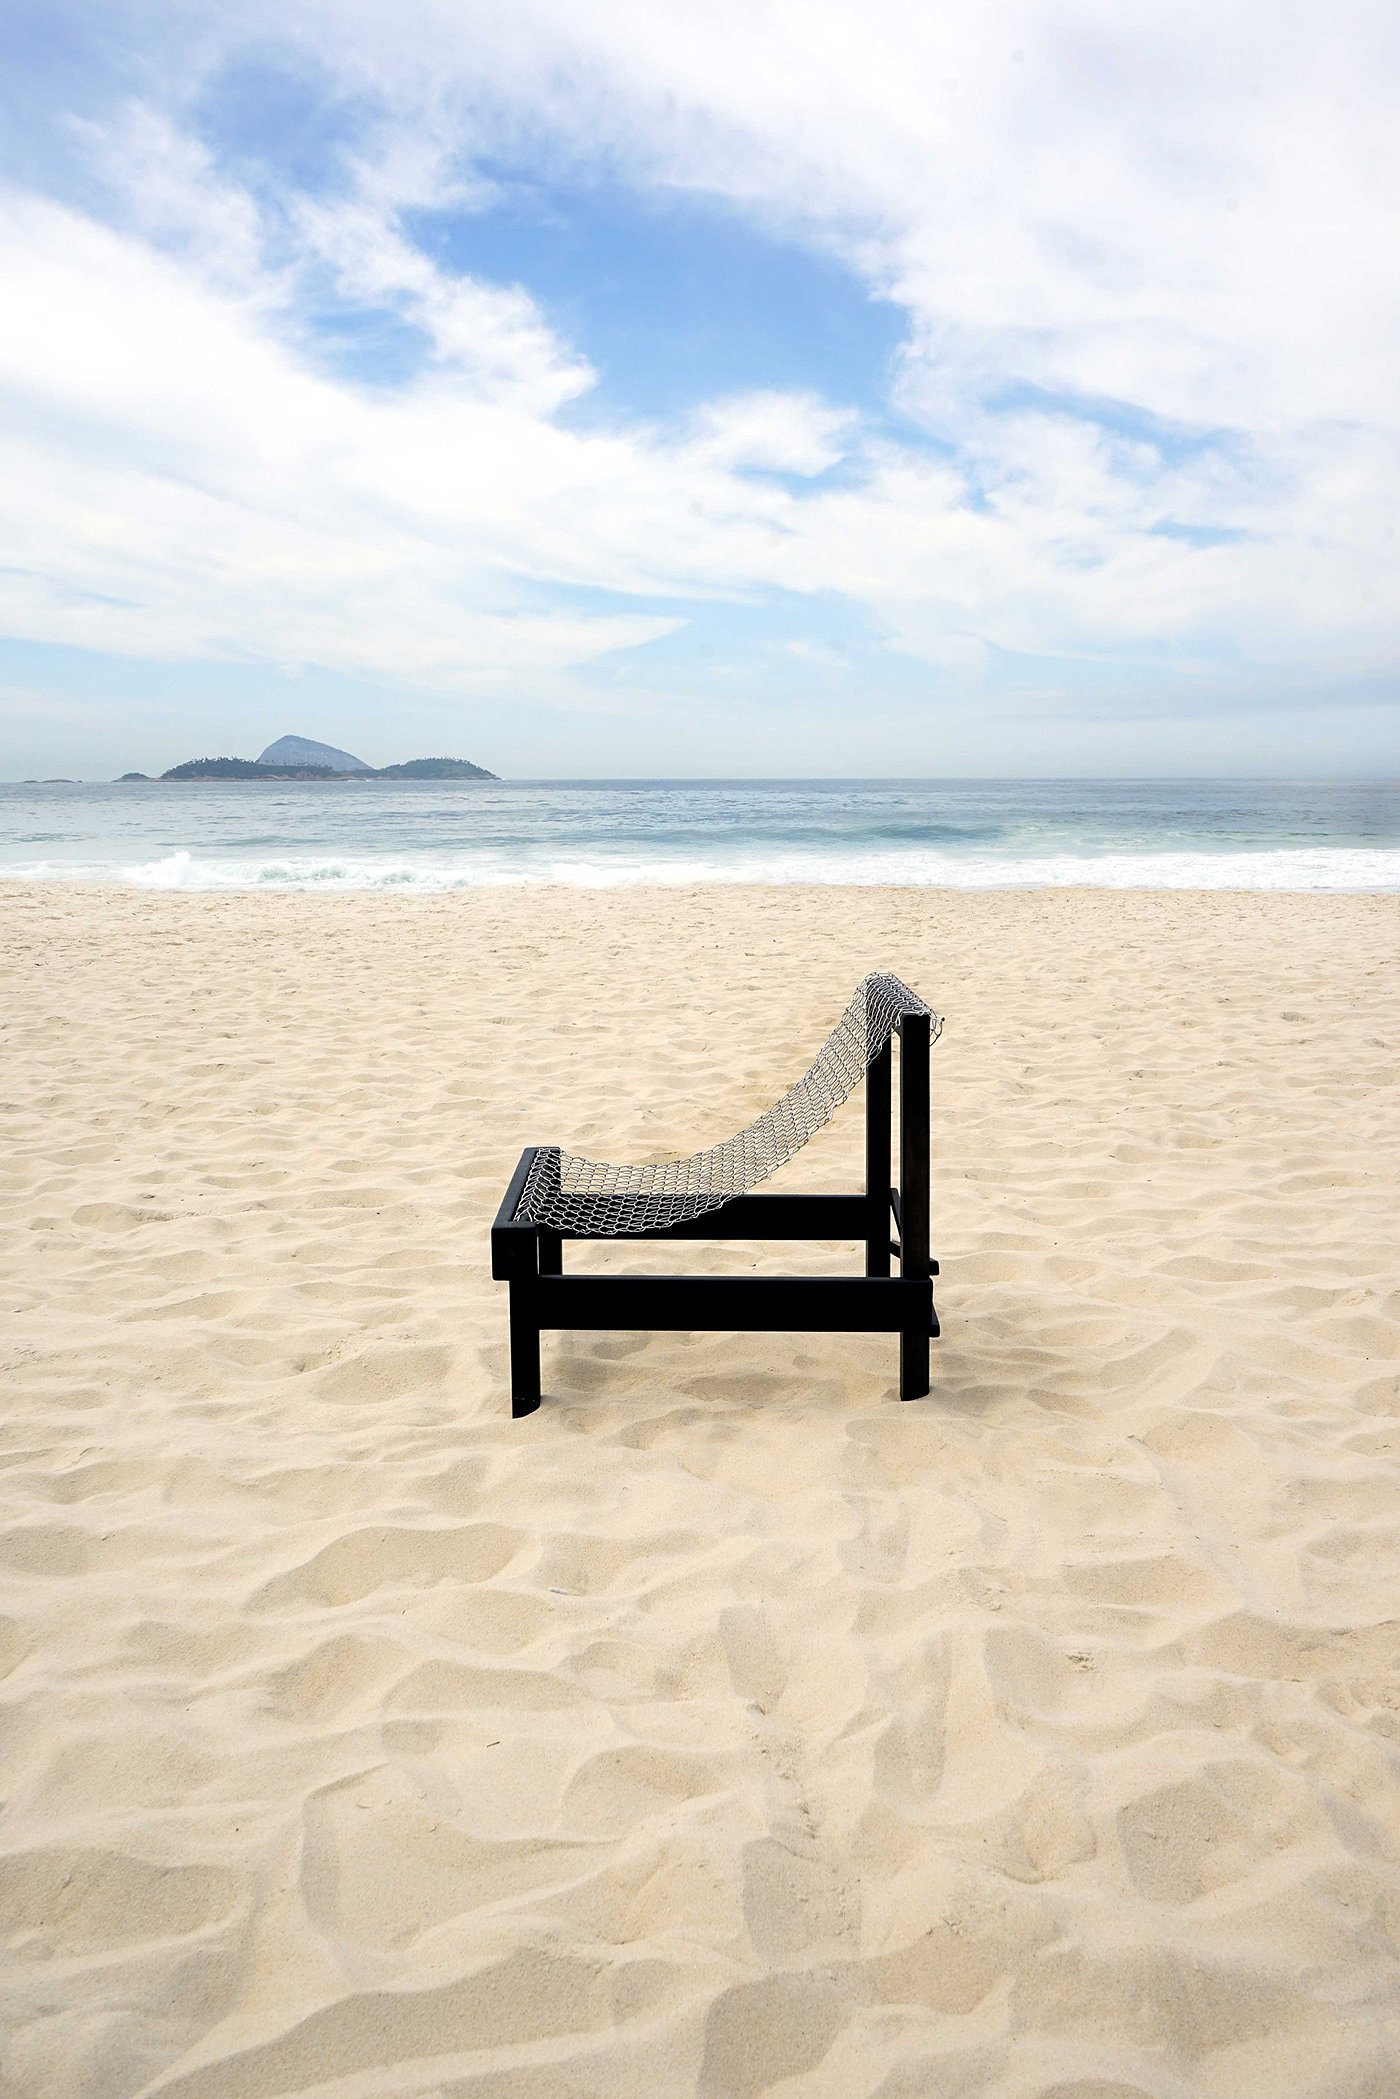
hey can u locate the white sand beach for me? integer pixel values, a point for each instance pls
(726, 1727)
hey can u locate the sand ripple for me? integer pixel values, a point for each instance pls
(726, 1728)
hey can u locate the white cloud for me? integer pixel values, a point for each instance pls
(491, 338)
(174, 193)
(1152, 296)
(176, 482)
(784, 433)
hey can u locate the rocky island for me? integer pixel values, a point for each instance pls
(299, 758)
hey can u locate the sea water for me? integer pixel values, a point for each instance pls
(967, 834)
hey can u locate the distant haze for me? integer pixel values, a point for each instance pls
(608, 390)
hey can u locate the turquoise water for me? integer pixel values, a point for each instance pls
(974, 834)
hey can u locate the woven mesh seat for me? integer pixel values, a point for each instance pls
(590, 1198)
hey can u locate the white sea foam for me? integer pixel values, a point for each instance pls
(1337, 868)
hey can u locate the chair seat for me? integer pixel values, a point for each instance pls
(592, 1199)
(592, 1213)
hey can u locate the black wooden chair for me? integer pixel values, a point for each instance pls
(554, 1196)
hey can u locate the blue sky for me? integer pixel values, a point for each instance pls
(609, 389)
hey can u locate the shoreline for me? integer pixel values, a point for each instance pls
(179, 874)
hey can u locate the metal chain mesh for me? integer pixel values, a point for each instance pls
(605, 1202)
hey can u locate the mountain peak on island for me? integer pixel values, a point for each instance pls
(301, 750)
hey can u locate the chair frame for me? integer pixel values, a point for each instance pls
(530, 1257)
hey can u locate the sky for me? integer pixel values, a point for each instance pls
(612, 387)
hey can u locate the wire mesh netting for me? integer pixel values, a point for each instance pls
(606, 1202)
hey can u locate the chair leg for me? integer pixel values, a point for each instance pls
(524, 1350)
(551, 1251)
(914, 1190)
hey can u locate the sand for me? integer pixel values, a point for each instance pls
(726, 1727)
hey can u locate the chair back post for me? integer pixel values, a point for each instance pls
(913, 1144)
(877, 1163)
(914, 1039)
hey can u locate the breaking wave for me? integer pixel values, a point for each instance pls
(1337, 868)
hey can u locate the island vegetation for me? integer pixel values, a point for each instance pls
(429, 769)
(250, 769)
(254, 769)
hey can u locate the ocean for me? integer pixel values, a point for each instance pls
(966, 834)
